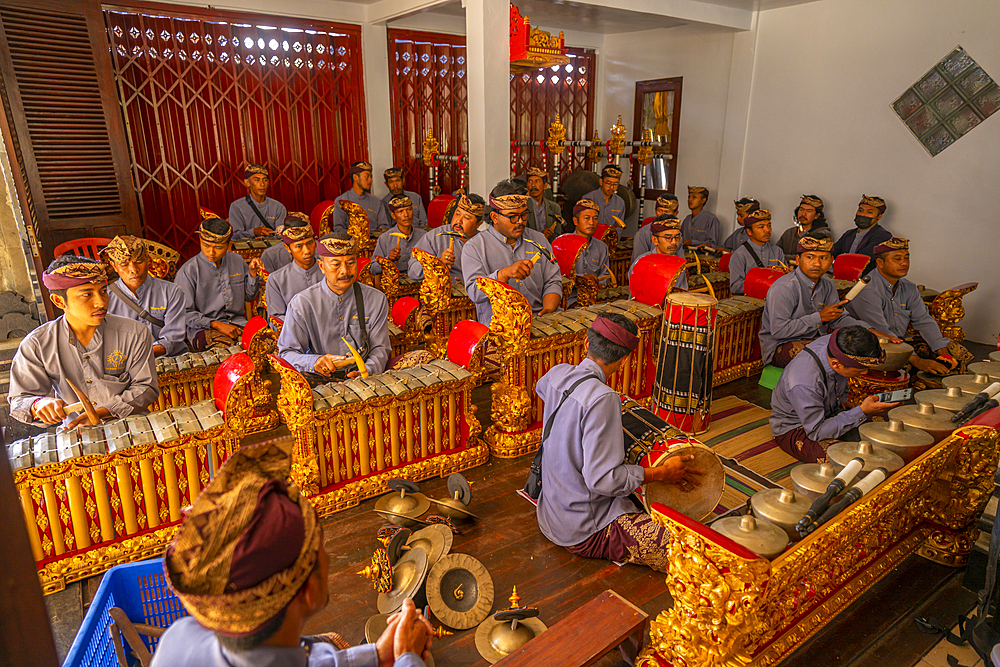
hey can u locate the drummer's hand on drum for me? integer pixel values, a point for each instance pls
(832, 312)
(674, 471)
(872, 405)
(519, 270)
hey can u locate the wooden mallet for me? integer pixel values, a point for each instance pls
(84, 405)
(399, 236)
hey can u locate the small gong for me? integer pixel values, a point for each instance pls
(407, 577)
(506, 631)
(460, 591)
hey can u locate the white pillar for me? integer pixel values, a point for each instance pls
(375, 54)
(488, 53)
(737, 117)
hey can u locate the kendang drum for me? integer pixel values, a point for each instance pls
(682, 390)
(650, 441)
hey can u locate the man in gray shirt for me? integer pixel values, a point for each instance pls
(462, 219)
(606, 197)
(592, 259)
(543, 214)
(361, 194)
(394, 244)
(302, 272)
(394, 181)
(744, 207)
(700, 227)
(279, 254)
(584, 504)
(108, 358)
(256, 214)
(136, 295)
(642, 242)
(755, 250)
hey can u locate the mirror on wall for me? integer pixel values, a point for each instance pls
(658, 108)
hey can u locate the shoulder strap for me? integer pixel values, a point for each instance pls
(552, 417)
(756, 257)
(816, 359)
(260, 215)
(359, 302)
(142, 312)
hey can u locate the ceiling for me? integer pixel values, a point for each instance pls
(556, 16)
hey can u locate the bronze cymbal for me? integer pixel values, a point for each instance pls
(407, 577)
(460, 591)
(506, 631)
(435, 539)
(400, 519)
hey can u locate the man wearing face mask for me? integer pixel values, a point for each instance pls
(868, 232)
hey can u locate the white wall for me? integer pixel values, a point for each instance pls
(702, 55)
(824, 76)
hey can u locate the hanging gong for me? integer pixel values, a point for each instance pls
(506, 631)
(460, 591)
(435, 540)
(407, 577)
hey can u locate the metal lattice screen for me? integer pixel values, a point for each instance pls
(205, 92)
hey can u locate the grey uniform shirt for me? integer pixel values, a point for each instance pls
(791, 312)
(162, 300)
(807, 398)
(593, 258)
(610, 208)
(285, 283)
(187, 643)
(275, 257)
(316, 319)
(436, 243)
(702, 228)
(642, 243)
(585, 480)
(682, 277)
(116, 370)
(216, 292)
(378, 216)
(419, 212)
(488, 251)
(243, 220)
(742, 261)
(734, 240)
(893, 311)
(387, 243)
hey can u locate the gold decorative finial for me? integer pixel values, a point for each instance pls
(645, 155)
(440, 632)
(514, 598)
(431, 148)
(594, 152)
(557, 133)
(617, 135)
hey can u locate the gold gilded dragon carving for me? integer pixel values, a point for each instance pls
(358, 226)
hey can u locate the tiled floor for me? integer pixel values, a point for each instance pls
(938, 656)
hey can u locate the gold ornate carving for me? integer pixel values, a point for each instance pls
(645, 154)
(557, 134)
(510, 326)
(444, 306)
(594, 152)
(184, 387)
(617, 136)
(948, 310)
(358, 226)
(949, 548)
(430, 149)
(326, 220)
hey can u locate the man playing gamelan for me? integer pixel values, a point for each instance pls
(397, 248)
(216, 285)
(666, 238)
(700, 227)
(802, 305)
(157, 304)
(584, 504)
(360, 193)
(336, 307)
(108, 358)
(892, 303)
(394, 181)
(592, 260)
(756, 249)
(807, 405)
(462, 218)
(256, 214)
(280, 254)
(543, 214)
(744, 207)
(249, 566)
(302, 272)
(606, 197)
(642, 242)
(868, 232)
(809, 219)
(502, 252)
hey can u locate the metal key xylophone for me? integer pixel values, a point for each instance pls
(187, 378)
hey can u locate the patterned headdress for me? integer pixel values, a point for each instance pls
(611, 171)
(74, 275)
(812, 200)
(211, 237)
(296, 228)
(585, 205)
(746, 205)
(392, 172)
(358, 167)
(851, 360)
(664, 223)
(468, 205)
(698, 190)
(248, 544)
(400, 202)
(336, 245)
(756, 215)
(667, 202)
(812, 244)
(892, 244)
(877, 202)
(508, 202)
(540, 173)
(254, 169)
(123, 249)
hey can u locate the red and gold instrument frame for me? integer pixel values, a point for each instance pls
(438, 295)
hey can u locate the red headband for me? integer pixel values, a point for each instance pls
(616, 333)
(849, 360)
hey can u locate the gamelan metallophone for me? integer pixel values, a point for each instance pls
(737, 346)
(718, 279)
(187, 378)
(620, 259)
(254, 248)
(351, 437)
(389, 281)
(526, 347)
(446, 301)
(760, 611)
(98, 496)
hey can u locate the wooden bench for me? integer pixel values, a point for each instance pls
(572, 642)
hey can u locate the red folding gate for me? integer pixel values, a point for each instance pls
(204, 92)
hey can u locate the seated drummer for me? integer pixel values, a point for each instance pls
(394, 181)
(802, 305)
(136, 295)
(249, 566)
(462, 218)
(502, 252)
(256, 214)
(700, 227)
(606, 197)
(280, 254)
(216, 285)
(892, 303)
(109, 358)
(584, 504)
(666, 238)
(807, 405)
(744, 207)
(302, 272)
(361, 194)
(756, 250)
(642, 241)
(397, 248)
(809, 219)
(544, 214)
(593, 259)
(868, 232)
(336, 307)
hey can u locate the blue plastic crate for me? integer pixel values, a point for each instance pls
(141, 591)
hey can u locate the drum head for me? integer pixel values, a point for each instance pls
(699, 502)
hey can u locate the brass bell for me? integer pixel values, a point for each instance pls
(508, 630)
(461, 495)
